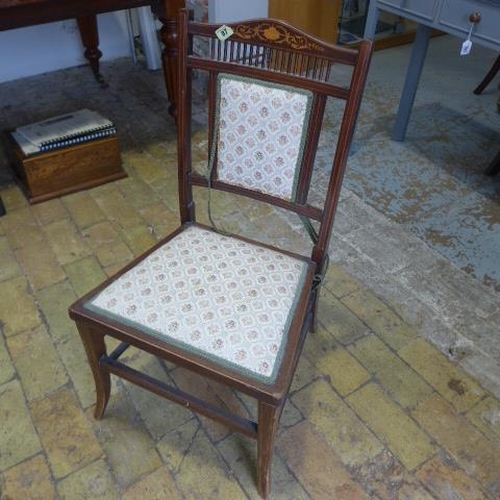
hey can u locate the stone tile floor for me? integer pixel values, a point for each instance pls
(389, 400)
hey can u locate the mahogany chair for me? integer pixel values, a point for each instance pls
(231, 309)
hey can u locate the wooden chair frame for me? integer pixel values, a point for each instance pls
(278, 53)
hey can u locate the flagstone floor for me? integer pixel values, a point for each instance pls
(396, 395)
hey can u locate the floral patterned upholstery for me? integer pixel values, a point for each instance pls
(262, 130)
(223, 298)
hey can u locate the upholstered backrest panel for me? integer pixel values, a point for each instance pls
(261, 133)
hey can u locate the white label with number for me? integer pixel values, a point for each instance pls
(466, 47)
(224, 32)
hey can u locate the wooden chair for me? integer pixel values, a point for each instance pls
(231, 309)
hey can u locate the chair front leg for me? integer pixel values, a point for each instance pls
(95, 347)
(268, 420)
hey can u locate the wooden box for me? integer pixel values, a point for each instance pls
(54, 173)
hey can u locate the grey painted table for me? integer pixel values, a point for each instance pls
(480, 18)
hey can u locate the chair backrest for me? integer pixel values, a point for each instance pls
(267, 87)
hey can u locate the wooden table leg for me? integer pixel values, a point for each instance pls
(167, 14)
(489, 76)
(89, 34)
(494, 166)
(413, 74)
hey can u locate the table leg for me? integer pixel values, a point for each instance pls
(168, 33)
(494, 166)
(89, 34)
(411, 83)
(489, 76)
(371, 22)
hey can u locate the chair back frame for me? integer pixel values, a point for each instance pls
(259, 50)
(281, 54)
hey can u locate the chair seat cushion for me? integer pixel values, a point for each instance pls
(222, 298)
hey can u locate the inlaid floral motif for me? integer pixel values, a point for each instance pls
(269, 31)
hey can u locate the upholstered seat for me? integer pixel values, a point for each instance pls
(219, 297)
(231, 309)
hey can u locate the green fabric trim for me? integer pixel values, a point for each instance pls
(212, 357)
(311, 231)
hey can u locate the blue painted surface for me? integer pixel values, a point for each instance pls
(433, 183)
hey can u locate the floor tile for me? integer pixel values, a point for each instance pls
(29, 480)
(476, 455)
(398, 379)
(66, 241)
(128, 446)
(158, 485)
(380, 318)
(451, 382)
(405, 439)
(93, 481)
(7, 370)
(37, 362)
(446, 480)
(10, 267)
(18, 438)
(350, 439)
(18, 311)
(65, 432)
(304, 451)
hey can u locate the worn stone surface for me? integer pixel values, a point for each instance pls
(450, 381)
(7, 370)
(85, 274)
(18, 438)
(30, 480)
(54, 302)
(41, 264)
(240, 453)
(49, 212)
(65, 432)
(10, 267)
(380, 318)
(203, 474)
(486, 417)
(376, 410)
(339, 320)
(37, 362)
(128, 446)
(345, 372)
(386, 478)
(445, 479)
(91, 481)
(331, 479)
(477, 455)
(342, 429)
(159, 415)
(402, 383)
(403, 437)
(18, 311)
(158, 485)
(83, 209)
(66, 241)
